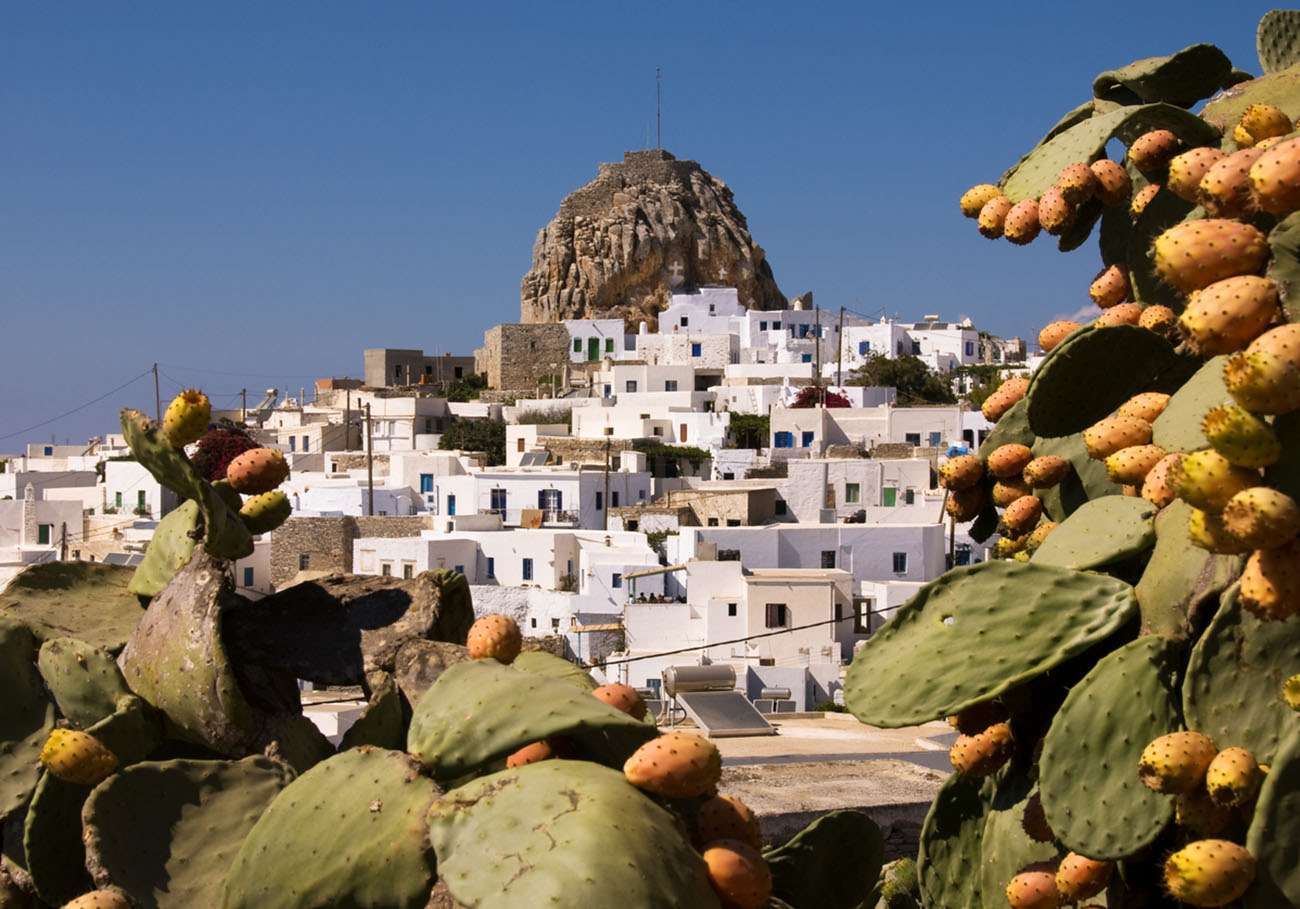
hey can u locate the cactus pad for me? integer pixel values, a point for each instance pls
(1181, 580)
(169, 548)
(1284, 264)
(1088, 480)
(84, 600)
(1094, 800)
(1278, 40)
(1273, 838)
(26, 717)
(1232, 691)
(1183, 78)
(1005, 847)
(951, 853)
(56, 858)
(84, 680)
(585, 835)
(832, 863)
(976, 632)
(1281, 89)
(166, 832)
(1178, 428)
(1100, 532)
(482, 711)
(380, 724)
(539, 662)
(364, 809)
(1086, 377)
(1285, 474)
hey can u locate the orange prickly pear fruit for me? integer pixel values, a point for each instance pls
(1009, 460)
(257, 470)
(1054, 333)
(677, 765)
(494, 637)
(1111, 287)
(983, 753)
(1114, 185)
(623, 697)
(1176, 762)
(993, 216)
(1151, 151)
(738, 874)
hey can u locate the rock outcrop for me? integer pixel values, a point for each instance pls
(642, 229)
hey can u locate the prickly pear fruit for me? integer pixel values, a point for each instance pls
(993, 216)
(1022, 514)
(1054, 333)
(1227, 315)
(1107, 436)
(1187, 169)
(624, 698)
(1140, 200)
(217, 448)
(1270, 582)
(99, 899)
(1155, 485)
(983, 753)
(1207, 530)
(1009, 460)
(1009, 546)
(1225, 190)
(1264, 121)
(676, 764)
(1079, 877)
(1275, 178)
(1034, 820)
(1159, 318)
(494, 637)
(1199, 813)
(77, 757)
(1282, 341)
(1007, 491)
(961, 472)
(1077, 183)
(724, 817)
(1176, 762)
(1241, 437)
(738, 874)
(1152, 150)
(1034, 887)
(1055, 214)
(1146, 405)
(1111, 287)
(1114, 185)
(186, 418)
(1038, 535)
(257, 470)
(1021, 223)
(1046, 471)
(978, 717)
(531, 754)
(1121, 314)
(1263, 382)
(1262, 517)
(1233, 777)
(1207, 480)
(1132, 464)
(1209, 872)
(1291, 691)
(965, 504)
(976, 197)
(1195, 254)
(264, 512)
(1002, 400)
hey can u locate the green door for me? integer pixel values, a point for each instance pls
(593, 349)
(891, 496)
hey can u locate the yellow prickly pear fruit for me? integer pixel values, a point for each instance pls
(1160, 319)
(1262, 517)
(1114, 185)
(1155, 485)
(1111, 287)
(186, 418)
(1176, 762)
(1187, 170)
(677, 765)
(1131, 465)
(1151, 151)
(77, 757)
(993, 216)
(1263, 382)
(977, 717)
(1121, 314)
(1107, 436)
(1207, 530)
(1233, 777)
(1038, 535)
(738, 874)
(1227, 315)
(1282, 341)
(1034, 887)
(1009, 460)
(1209, 873)
(1200, 814)
(1054, 333)
(1195, 254)
(1146, 405)
(1291, 692)
(1242, 137)
(1207, 480)
(1264, 121)
(1275, 178)
(977, 197)
(494, 637)
(1021, 224)
(1270, 582)
(1225, 190)
(1241, 437)
(961, 472)
(266, 511)
(1141, 198)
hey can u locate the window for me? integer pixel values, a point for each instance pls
(397, 372)
(491, 568)
(600, 501)
(613, 498)
(670, 385)
(630, 386)
(43, 533)
(616, 580)
(428, 424)
(609, 430)
(426, 481)
(733, 522)
(935, 439)
(783, 439)
(555, 624)
(550, 499)
(304, 561)
(408, 571)
(728, 555)
(117, 499)
(807, 438)
(889, 497)
(776, 326)
(459, 569)
(728, 475)
(805, 358)
(803, 329)
(577, 345)
(712, 522)
(970, 348)
(497, 501)
(609, 390)
(640, 493)
(780, 508)
(533, 623)
(762, 326)
(519, 446)
(306, 443)
(49, 450)
(863, 347)
(609, 345)
(909, 497)
(528, 569)
(293, 443)
(684, 322)
(852, 493)
(386, 569)
(248, 577)
(695, 350)
(862, 614)
(828, 558)
(451, 505)
(731, 610)
(900, 562)
(912, 438)
(775, 615)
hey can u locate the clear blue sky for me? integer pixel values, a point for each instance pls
(252, 193)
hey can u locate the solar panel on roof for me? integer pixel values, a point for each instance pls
(724, 713)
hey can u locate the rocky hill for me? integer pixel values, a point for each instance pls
(639, 231)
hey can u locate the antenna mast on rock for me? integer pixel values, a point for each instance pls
(659, 143)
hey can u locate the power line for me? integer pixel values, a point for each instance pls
(81, 407)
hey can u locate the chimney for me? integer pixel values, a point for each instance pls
(30, 528)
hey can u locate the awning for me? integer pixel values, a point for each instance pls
(580, 629)
(652, 571)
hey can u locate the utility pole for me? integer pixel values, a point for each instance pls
(605, 501)
(817, 346)
(157, 398)
(370, 465)
(659, 142)
(839, 365)
(243, 405)
(347, 422)
(63, 542)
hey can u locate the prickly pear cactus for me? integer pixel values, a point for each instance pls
(832, 862)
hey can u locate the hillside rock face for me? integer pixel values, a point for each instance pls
(641, 230)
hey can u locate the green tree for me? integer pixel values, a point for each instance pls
(467, 389)
(477, 435)
(908, 375)
(749, 430)
(985, 379)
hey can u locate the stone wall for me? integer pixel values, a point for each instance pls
(566, 450)
(324, 544)
(515, 357)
